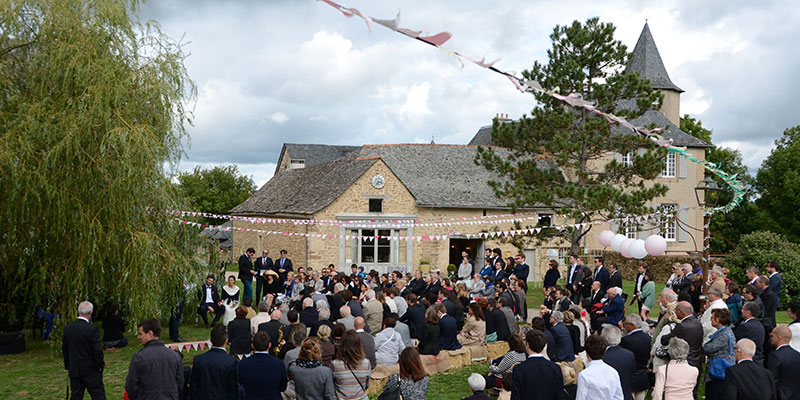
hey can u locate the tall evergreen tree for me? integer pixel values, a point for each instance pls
(589, 182)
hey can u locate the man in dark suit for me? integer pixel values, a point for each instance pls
(273, 328)
(614, 307)
(83, 355)
(448, 329)
(208, 295)
(784, 363)
(775, 280)
(537, 378)
(614, 277)
(262, 375)
(414, 316)
(263, 264)
(214, 374)
(751, 328)
(601, 273)
(498, 319)
(638, 343)
(418, 285)
(309, 315)
(574, 273)
(434, 286)
(246, 271)
(770, 300)
(284, 265)
(748, 379)
(563, 349)
(619, 358)
(637, 291)
(689, 329)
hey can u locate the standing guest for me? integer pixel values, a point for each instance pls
(429, 339)
(638, 343)
(751, 328)
(668, 300)
(367, 341)
(155, 372)
(718, 277)
(621, 359)
(598, 380)
(521, 268)
(601, 273)
(261, 266)
(315, 380)
(214, 375)
(373, 311)
(775, 280)
(351, 370)
(715, 303)
(448, 329)
(793, 310)
(414, 316)
(239, 333)
(388, 343)
(584, 286)
(677, 379)
(537, 378)
(690, 330)
(784, 363)
(752, 274)
(488, 268)
(113, 329)
(747, 379)
(83, 355)
(552, 275)
(520, 288)
(230, 297)
(734, 301)
(574, 276)
(262, 376)
(209, 301)
(677, 275)
(246, 271)
(284, 266)
(260, 318)
(720, 344)
(647, 295)
(325, 345)
(752, 294)
(466, 269)
(637, 289)
(474, 331)
(770, 300)
(412, 381)
(477, 385)
(498, 274)
(614, 277)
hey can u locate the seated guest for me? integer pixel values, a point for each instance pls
(261, 375)
(429, 340)
(351, 370)
(314, 380)
(325, 345)
(622, 360)
(508, 313)
(388, 343)
(248, 305)
(614, 307)
(453, 306)
(403, 330)
(489, 287)
(412, 381)
(575, 332)
(414, 316)
(324, 320)
(346, 318)
(261, 317)
(498, 319)
(477, 385)
(367, 341)
(214, 375)
(734, 301)
(297, 336)
(720, 344)
(474, 331)
(747, 379)
(599, 380)
(309, 315)
(477, 286)
(563, 349)
(113, 328)
(536, 377)
(239, 333)
(499, 366)
(273, 328)
(208, 295)
(487, 269)
(676, 380)
(448, 330)
(784, 363)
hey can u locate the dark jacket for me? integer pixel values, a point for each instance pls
(82, 350)
(615, 279)
(309, 316)
(239, 336)
(770, 301)
(500, 324)
(479, 395)
(262, 266)
(753, 330)
(691, 331)
(638, 343)
(429, 340)
(113, 326)
(563, 350)
(602, 276)
(624, 362)
(272, 328)
(287, 266)
(448, 332)
(575, 336)
(263, 377)
(417, 286)
(336, 302)
(776, 284)
(245, 267)
(415, 319)
(749, 380)
(537, 378)
(155, 373)
(214, 376)
(201, 294)
(551, 277)
(784, 363)
(614, 310)
(315, 327)
(455, 311)
(368, 344)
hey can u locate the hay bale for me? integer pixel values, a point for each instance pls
(497, 349)
(436, 364)
(478, 353)
(458, 358)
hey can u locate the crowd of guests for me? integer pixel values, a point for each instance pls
(323, 334)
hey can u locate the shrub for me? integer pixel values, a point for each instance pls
(756, 249)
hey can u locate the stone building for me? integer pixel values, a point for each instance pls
(357, 204)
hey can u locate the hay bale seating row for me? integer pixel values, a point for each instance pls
(444, 361)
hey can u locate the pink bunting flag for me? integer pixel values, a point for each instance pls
(437, 39)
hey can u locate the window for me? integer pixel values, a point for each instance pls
(630, 231)
(545, 219)
(377, 247)
(627, 159)
(669, 166)
(375, 205)
(668, 220)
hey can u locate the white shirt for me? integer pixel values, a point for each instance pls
(260, 318)
(209, 299)
(392, 305)
(795, 328)
(599, 381)
(402, 305)
(639, 280)
(85, 319)
(705, 319)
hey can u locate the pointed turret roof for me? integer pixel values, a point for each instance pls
(647, 62)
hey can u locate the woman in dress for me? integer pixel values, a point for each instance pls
(465, 269)
(648, 295)
(230, 298)
(474, 331)
(429, 340)
(552, 275)
(676, 379)
(412, 381)
(720, 344)
(351, 369)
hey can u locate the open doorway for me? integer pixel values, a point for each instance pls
(473, 247)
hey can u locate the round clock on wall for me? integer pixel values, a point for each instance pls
(378, 181)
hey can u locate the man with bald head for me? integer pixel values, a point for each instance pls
(367, 341)
(748, 379)
(667, 300)
(272, 327)
(690, 330)
(784, 363)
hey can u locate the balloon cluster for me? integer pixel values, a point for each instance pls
(654, 245)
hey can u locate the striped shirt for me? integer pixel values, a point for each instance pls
(511, 358)
(347, 388)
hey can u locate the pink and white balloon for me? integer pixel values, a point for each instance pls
(616, 241)
(625, 248)
(655, 245)
(605, 237)
(637, 249)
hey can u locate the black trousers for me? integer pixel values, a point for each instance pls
(175, 320)
(261, 285)
(203, 310)
(92, 384)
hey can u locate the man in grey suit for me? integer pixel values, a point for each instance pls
(347, 319)
(367, 341)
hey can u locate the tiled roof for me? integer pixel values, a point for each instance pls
(647, 62)
(314, 154)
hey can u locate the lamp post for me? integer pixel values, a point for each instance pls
(703, 193)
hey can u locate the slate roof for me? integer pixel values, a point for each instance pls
(671, 131)
(647, 62)
(483, 137)
(314, 154)
(225, 237)
(304, 190)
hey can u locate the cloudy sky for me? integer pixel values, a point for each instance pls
(275, 71)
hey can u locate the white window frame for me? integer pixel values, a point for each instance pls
(670, 226)
(627, 159)
(670, 166)
(631, 231)
(360, 246)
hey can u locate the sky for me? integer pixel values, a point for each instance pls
(270, 72)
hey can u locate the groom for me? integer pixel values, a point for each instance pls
(246, 271)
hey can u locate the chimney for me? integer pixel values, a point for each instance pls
(502, 117)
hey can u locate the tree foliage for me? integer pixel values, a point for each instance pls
(588, 182)
(778, 182)
(216, 190)
(92, 107)
(756, 249)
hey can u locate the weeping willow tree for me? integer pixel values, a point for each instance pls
(91, 114)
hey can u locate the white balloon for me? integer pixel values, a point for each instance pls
(551, 254)
(637, 249)
(616, 241)
(625, 248)
(656, 245)
(605, 237)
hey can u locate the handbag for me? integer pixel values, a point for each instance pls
(392, 392)
(716, 368)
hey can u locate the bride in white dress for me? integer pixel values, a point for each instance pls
(230, 298)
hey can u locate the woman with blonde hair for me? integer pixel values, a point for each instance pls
(313, 380)
(325, 345)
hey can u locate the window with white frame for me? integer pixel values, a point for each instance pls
(627, 159)
(377, 246)
(669, 166)
(669, 225)
(630, 231)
